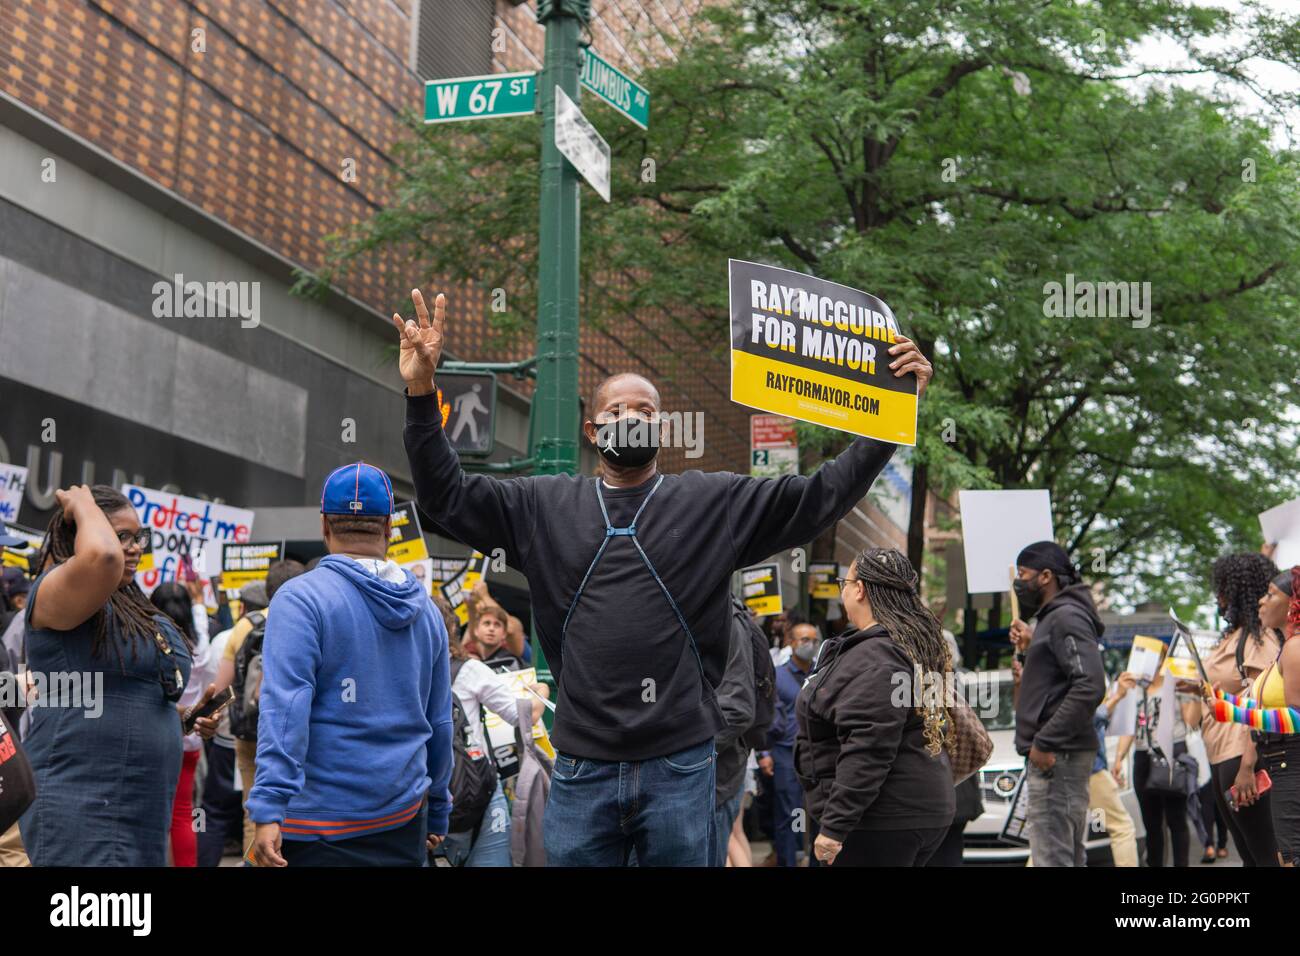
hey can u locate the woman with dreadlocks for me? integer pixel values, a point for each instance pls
(870, 752)
(1246, 648)
(106, 765)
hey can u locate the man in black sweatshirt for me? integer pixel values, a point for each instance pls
(1061, 685)
(629, 574)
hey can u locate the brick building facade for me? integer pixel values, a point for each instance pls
(210, 138)
(250, 110)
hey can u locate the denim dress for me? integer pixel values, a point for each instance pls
(104, 784)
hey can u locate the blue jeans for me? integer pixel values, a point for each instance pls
(599, 811)
(492, 847)
(788, 820)
(724, 818)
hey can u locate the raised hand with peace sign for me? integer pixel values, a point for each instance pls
(421, 344)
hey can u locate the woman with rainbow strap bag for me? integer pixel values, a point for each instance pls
(1272, 711)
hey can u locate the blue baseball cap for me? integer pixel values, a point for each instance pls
(357, 489)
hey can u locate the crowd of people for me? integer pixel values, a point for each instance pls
(343, 718)
(813, 748)
(1208, 755)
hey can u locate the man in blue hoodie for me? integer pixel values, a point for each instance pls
(354, 737)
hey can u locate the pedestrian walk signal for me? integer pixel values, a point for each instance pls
(468, 403)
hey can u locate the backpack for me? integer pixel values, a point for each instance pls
(473, 775)
(764, 679)
(247, 684)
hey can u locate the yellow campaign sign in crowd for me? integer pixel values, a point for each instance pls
(406, 542)
(817, 351)
(457, 590)
(761, 589)
(501, 734)
(244, 563)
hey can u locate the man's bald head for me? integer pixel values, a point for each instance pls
(626, 390)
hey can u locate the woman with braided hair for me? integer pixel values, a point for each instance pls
(873, 724)
(1241, 582)
(106, 764)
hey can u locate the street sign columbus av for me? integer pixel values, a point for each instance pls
(616, 88)
(581, 145)
(480, 97)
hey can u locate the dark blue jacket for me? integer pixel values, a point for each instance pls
(789, 680)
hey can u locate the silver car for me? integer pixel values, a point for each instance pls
(991, 696)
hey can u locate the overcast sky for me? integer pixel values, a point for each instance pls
(1167, 53)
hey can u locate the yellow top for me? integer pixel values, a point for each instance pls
(1268, 688)
(243, 627)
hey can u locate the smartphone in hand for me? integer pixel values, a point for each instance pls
(212, 707)
(1263, 784)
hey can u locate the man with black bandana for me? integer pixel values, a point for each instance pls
(630, 578)
(1061, 684)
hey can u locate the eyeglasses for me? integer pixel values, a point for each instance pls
(843, 581)
(141, 538)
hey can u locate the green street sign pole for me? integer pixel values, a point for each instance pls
(554, 428)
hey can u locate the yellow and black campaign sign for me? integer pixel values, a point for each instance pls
(18, 555)
(406, 543)
(244, 563)
(760, 588)
(822, 583)
(457, 590)
(817, 351)
(444, 567)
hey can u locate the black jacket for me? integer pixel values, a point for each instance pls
(970, 800)
(1062, 681)
(629, 686)
(862, 758)
(736, 701)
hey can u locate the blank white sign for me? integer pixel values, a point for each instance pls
(1282, 525)
(995, 526)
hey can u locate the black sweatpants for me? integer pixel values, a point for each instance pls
(1251, 827)
(890, 847)
(1212, 816)
(949, 851)
(1280, 756)
(1160, 809)
(223, 810)
(403, 846)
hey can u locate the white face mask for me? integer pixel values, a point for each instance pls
(805, 652)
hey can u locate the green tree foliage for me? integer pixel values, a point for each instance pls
(956, 157)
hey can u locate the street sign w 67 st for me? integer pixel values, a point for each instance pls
(480, 97)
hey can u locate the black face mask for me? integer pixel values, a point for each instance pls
(1030, 596)
(628, 442)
